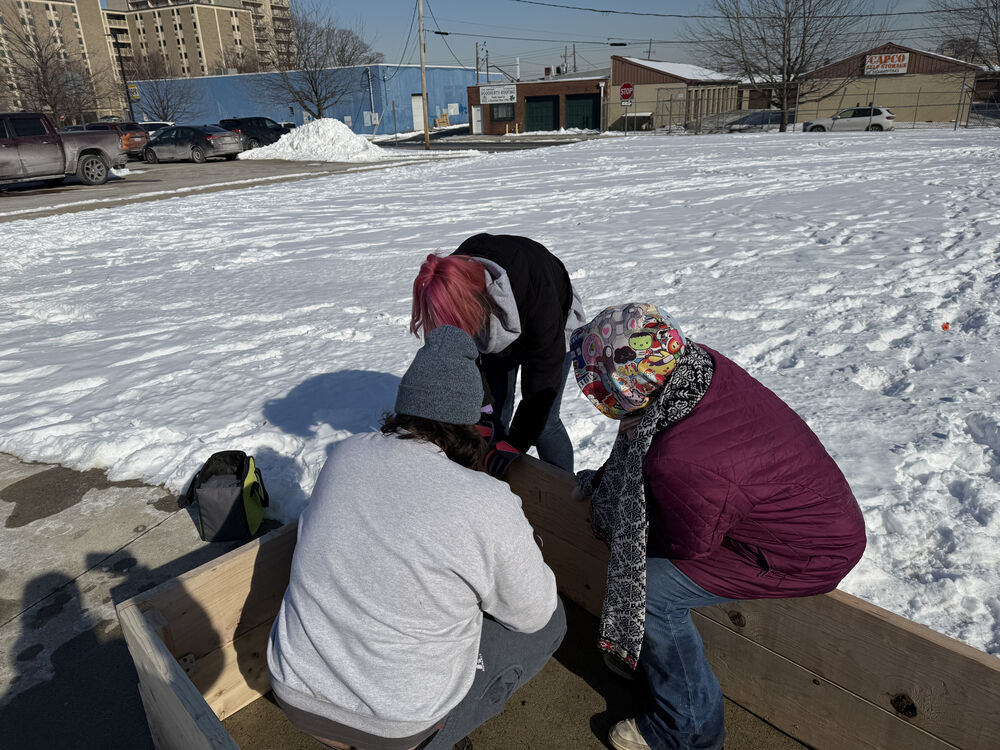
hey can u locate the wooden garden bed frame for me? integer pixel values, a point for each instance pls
(833, 671)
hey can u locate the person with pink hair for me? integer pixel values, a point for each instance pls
(515, 299)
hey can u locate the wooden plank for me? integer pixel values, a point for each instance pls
(579, 576)
(925, 678)
(177, 713)
(210, 606)
(551, 503)
(235, 675)
(810, 708)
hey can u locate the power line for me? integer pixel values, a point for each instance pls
(443, 34)
(615, 41)
(406, 44)
(608, 11)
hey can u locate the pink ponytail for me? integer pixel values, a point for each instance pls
(449, 290)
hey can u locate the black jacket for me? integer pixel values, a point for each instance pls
(543, 295)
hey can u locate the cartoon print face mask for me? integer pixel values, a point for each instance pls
(624, 356)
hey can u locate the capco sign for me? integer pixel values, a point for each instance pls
(887, 64)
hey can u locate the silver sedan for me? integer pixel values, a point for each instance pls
(196, 143)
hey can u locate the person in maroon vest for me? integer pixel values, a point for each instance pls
(715, 490)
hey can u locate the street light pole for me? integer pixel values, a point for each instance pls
(423, 78)
(121, 67)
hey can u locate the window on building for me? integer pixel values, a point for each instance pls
(502, 112)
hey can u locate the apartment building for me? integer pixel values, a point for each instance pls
(192, 38)
(67, 30)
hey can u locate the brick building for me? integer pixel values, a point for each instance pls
(572, 101)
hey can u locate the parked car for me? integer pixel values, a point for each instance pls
(132, 135)
(255, 131)
(855, 118)
(72, 129)
(194, 142)
(31, 149)
(761, 120)
(153, 127)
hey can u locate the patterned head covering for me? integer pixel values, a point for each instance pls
(625, 355)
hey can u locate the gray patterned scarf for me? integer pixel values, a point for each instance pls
(618, 505)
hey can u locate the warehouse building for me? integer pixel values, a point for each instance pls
(667, 95)
(917, 86)
(376, 98)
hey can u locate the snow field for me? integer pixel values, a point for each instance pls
(143, 341)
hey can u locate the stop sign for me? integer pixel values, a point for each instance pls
(625, 92)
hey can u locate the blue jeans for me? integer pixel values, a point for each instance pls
(553, 445)
(508, 660)
(687, 708)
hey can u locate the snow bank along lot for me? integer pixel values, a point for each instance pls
(330, 140)
(142, 341)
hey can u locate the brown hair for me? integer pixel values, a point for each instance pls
(462, 443)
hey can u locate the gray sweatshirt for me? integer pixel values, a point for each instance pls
(399, 553)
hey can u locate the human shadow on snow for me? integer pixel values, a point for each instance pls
(351, 400)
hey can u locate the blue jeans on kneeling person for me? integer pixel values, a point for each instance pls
(687, 706)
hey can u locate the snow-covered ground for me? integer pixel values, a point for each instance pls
(143, 340)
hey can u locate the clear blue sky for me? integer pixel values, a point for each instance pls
(388, 23)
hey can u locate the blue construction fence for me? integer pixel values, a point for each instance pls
(379, 98)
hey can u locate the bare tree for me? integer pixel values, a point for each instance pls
(242, 61)
(165, 94)
(775, 44)
(47, 76)
(309, 62)
(969, 31)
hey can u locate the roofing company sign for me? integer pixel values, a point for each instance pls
(502, 94)
(887, 64)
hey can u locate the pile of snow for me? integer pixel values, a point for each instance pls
(320, 140)
(142, 341)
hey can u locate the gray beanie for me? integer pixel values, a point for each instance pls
(443, 381)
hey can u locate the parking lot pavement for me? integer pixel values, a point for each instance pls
(74, 543)
(145, 182)
(141, 182)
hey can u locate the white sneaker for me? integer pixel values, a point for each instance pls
(625, 736)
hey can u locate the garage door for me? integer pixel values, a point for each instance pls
(541, 113)
(583, 111)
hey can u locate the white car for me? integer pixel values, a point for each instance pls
(856, 118)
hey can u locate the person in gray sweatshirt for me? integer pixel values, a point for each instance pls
(418, 600)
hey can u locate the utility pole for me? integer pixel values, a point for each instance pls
(565, 66)
(477, 63)
(121, 67)
(965, 75)
(574, 58)
(649, 52)
(423, 78)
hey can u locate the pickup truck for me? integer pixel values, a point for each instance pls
(31, 150)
